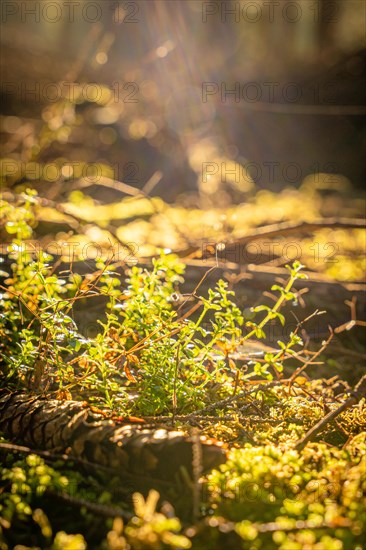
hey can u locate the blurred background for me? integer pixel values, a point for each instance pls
(181, 124)
(274, 86)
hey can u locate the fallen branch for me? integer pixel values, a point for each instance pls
(284, 228)
(47, 456)
(303, 227)
(95, 508)
(358, 393)
(274, 526)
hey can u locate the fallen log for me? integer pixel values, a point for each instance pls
(71, 427)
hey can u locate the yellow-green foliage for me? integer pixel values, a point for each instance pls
(148, 359)
(316, 496)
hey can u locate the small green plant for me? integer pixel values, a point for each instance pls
(23, 485)
(145, 358)
(283, 499)
(149, 528)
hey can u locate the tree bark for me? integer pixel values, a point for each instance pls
(73, 428)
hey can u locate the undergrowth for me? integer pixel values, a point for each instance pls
(146, 357)
(156, 355)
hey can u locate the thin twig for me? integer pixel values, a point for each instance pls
(358, 393)
(197, 471)
(53, 456)
(301, 369)
(175, 383)
(205, 275)
(273, 526)
(286, 228)
(98, 509)
(297, 109)
(233, 398)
